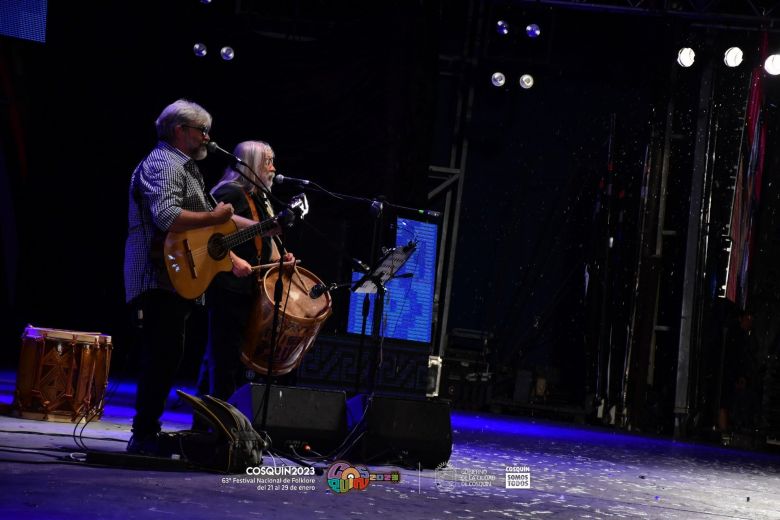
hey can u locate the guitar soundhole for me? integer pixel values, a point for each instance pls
(217, 247)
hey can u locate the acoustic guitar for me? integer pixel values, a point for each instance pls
(194, 257)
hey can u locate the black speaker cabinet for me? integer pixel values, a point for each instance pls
(399, 431)
(296, 416)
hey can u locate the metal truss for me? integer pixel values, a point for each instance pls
(748, 12)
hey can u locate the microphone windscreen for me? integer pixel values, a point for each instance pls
(212, 147)
(278, 178)
(317, 291)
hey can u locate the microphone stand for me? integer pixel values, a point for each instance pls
(376, 335)
(376, 209)
(383, 271)
(377, 204)
(278, 290)
(359, 369)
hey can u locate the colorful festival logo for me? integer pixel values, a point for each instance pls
(343, 477)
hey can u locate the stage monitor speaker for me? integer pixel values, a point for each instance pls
(407, 432)
(296, 416)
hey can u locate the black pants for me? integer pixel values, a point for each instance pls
(162, 344)
(229, 313)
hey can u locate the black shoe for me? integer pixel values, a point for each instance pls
(155, 445)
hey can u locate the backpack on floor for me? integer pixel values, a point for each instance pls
(230, 446)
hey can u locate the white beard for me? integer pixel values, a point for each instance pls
(200, 153)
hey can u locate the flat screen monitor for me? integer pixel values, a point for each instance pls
(25, 19)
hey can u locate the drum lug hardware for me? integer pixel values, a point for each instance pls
(59, 348)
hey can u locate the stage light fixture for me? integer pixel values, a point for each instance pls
(532, 30)
(502, 28)
(199, 49)
(526, 81)
(686, 57)
(732, 57)
(227, 53)
(498, 79)
(772, 65)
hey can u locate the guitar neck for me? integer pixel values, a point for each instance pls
(267, 227)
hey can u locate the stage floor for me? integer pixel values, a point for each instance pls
(572, 472)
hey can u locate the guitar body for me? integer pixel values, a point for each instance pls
(193, 258)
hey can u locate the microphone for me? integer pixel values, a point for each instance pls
(317, 291)
(212, 147)
(281, 179)
(429, 213)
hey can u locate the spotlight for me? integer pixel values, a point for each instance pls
(526, 81)
(772, 65)
(199, 49)
(732, 56)
(227, 53)
(532, 30)
(498, 79)
(502, 27)
(686, 56)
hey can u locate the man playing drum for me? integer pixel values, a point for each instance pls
(232, 295)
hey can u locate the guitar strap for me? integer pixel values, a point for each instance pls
(256, 217)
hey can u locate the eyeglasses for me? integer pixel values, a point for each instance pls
(203, 129)
(269, 161)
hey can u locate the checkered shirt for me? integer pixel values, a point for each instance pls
(164, 184)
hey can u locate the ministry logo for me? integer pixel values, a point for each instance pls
(445, 477)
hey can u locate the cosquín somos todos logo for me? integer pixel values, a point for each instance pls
(343, 477)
